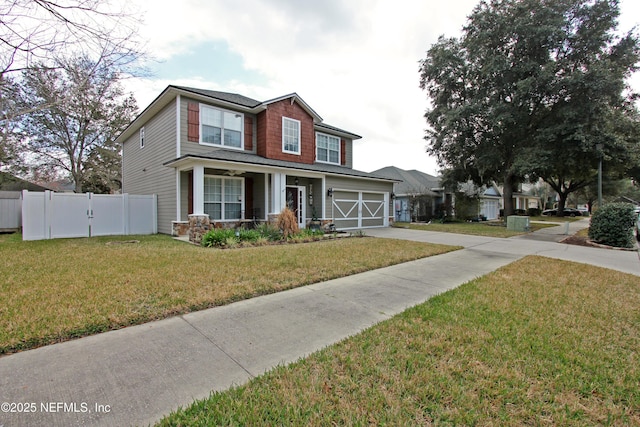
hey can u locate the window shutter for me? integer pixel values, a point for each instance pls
(343, 152)
(248, 133)
(193, 122)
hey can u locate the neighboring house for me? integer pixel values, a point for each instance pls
(418, 197)
(221, 159)
(524, 199)
(10, 182)
(11, 200)
(487, 205)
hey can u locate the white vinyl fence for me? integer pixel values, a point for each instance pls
(10, 208)
(49, 215)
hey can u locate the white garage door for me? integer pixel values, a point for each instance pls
(490, 209)
(359, 209)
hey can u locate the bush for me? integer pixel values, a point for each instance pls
(534, 212)
(218, 237)
(613, 224)
(269, 232)
(287, 222)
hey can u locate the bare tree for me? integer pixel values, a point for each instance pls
(78, 135)
(43, 31)
(50, 34)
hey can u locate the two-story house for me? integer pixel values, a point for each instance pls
(229, 158)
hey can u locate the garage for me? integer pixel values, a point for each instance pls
(359, 209)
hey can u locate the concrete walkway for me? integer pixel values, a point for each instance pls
(136, 375)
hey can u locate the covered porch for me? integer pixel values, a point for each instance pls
(215, 194)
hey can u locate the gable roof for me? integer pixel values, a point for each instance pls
(227, 99)
(10, 182)
(232, 98)
(413, 181)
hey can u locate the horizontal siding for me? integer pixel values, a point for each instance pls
(349, 152)
(143, 171)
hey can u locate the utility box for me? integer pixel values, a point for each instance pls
(518, 223)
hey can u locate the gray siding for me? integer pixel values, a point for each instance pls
(349, 153)
(142, 168)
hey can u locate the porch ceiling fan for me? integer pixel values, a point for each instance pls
(232, 172)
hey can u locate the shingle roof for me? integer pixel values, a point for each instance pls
(234, 98)
(413, 181)
(248, 158)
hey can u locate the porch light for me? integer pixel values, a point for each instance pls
(296, 181)
(330, 192)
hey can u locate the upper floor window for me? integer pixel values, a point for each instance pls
(290, 135)
(220, 127)
(142, 137)
(327, 148)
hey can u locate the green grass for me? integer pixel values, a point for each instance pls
(489, 229)
(54, 290)
(538, 342)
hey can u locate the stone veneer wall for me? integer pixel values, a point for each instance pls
(198, 227)
(179, 228)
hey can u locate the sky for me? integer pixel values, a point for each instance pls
(355, 62)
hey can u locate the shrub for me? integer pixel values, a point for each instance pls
(612, 225)
(287, 222)
(248, 235)
(217, 237)
(269, 232)
(534, 212)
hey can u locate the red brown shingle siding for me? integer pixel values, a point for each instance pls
(193, 122)
(270, 132)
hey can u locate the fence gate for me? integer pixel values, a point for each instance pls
(49, 215)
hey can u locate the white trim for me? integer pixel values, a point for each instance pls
(222, 202)
(299, 136)
(372, 206)
(198, 190)
(223, 110)
(302, 204)
(178, 194)
(339, 149)
(178, 127)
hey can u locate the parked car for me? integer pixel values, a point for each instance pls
(567, 212)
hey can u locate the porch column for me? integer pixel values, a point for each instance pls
(278, 186)
(198, 190)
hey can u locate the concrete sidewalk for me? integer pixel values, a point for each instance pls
(136, 375)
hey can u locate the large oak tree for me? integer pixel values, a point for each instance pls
(529, 90)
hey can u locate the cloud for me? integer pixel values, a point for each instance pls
(355, 62)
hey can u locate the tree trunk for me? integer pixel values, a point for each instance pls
(562, 201)
(507, 195)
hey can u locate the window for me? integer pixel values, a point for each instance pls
(142, 137)
(220, 127)
(290, 135)
(223, 198)
(327, 148)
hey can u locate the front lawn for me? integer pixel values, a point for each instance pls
(54, 290)
(537, 342)
(489, 229)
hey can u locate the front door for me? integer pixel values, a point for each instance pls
(295, 202)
